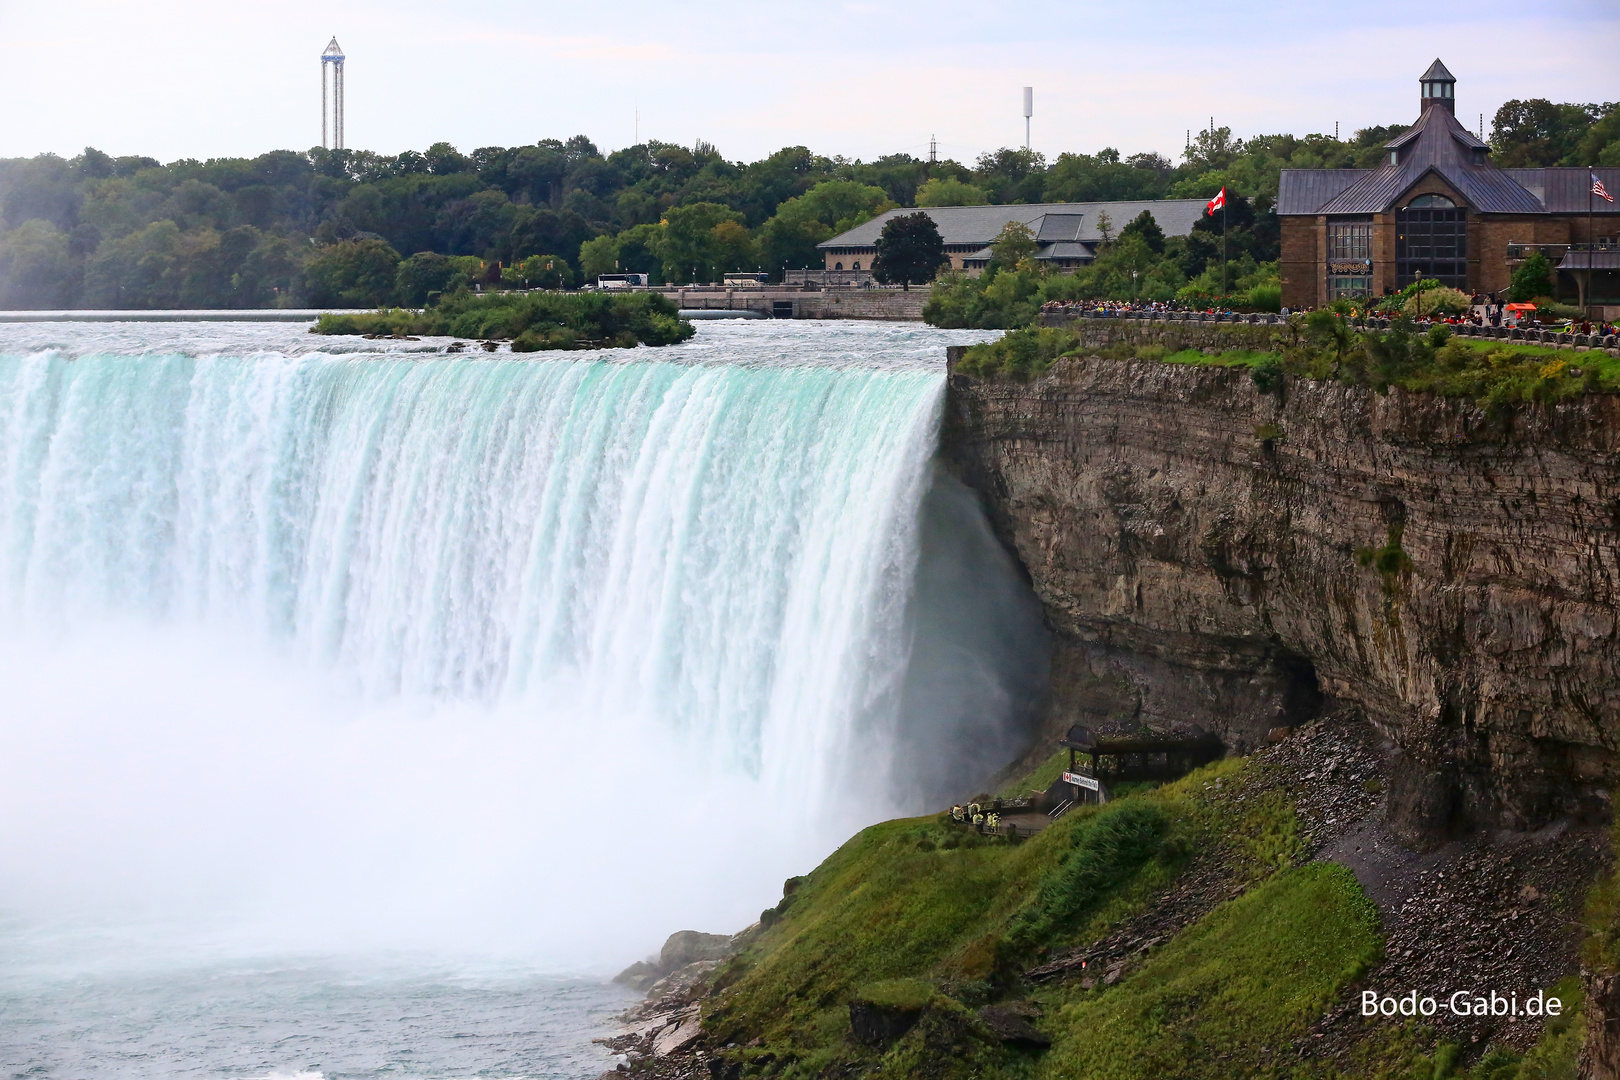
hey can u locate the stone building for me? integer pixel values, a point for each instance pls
(1439, 208)
(1067, 233)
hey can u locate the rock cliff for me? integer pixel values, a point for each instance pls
(1209, 554)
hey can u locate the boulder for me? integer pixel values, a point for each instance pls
(687, 1025)
(682, 980)
(639, 976)
(689, 946)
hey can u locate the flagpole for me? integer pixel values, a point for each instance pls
(1223, 239)
(1591, 188)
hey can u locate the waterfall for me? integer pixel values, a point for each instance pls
(507, 621)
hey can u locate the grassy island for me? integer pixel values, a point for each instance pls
(532, 321)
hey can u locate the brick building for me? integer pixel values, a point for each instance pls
(1439, 208)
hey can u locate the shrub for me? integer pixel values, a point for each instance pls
(1265, 298)
(1105, 851)
(1442, 301)
(1022, 354)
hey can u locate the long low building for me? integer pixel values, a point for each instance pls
(1067, 233)
(1439, 208)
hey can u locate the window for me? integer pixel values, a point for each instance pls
(1431, 241)
(838, 266)
(856, 265)
(1349, 286)
(1349, 239)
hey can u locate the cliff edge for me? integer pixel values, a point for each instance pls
(1211, 554)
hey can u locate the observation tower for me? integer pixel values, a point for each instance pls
(333, 56)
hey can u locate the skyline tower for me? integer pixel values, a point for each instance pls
(333, 56)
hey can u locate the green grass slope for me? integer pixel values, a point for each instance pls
(927, 918)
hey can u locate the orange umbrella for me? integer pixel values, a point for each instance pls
(1520, 307)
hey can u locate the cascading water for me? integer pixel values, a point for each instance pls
(320, 649)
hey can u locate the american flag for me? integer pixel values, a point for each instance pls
(1599, 190)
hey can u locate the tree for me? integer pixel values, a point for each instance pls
(693, 251)
(540, 272)
(352, 273)
(1533, 278)
(423, 274)
(734, 247)
(1527, 134)
(1145, 226)
(949, 191)
(599, 256)
(33, 266)
(1014, 245)
(790, 237)
(1011, 175)
(909, 249)
(641, 250)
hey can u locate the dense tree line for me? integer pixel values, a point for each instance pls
(341, 227)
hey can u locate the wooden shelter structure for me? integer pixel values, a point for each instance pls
(1141, 755)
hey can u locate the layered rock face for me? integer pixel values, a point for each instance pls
(1210, 555)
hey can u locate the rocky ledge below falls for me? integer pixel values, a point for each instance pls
(1210, 553)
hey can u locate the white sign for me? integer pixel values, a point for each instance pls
(1080, 781)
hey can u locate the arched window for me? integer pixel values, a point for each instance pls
(1430, 202)
(856, 265)
(838, 266)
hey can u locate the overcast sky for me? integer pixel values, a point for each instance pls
(187, 78)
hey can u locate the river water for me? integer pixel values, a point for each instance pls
(367, 703)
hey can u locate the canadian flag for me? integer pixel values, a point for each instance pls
(1217, 202)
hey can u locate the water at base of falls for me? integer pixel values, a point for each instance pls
(361, 685)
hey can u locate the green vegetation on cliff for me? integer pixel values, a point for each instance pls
(532, 321)
(905, 952)
(1324, 346)
(928, 911)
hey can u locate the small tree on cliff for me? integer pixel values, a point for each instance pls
(1533, 278)
(909, 249)
(1013, 246)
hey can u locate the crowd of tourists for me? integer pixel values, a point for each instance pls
(1120, 308)
(1485, 311)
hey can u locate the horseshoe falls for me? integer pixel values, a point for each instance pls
(309, 648)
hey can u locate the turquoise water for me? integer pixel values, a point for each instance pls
(368, 703)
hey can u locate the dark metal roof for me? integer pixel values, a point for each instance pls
(1437, 71)
(1437, 143)
(1564, 191)
(1055, 227)
(1070, 221)
(1425, 126)
(1302, 191)
(1062, 249)
(1601, 260)
(1067, 249)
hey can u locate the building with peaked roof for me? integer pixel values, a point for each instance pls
(1067, 233)
(1439, 208)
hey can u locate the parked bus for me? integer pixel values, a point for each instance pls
(621, 281)
(747, 279)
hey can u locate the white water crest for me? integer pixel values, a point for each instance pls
(326, 649)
